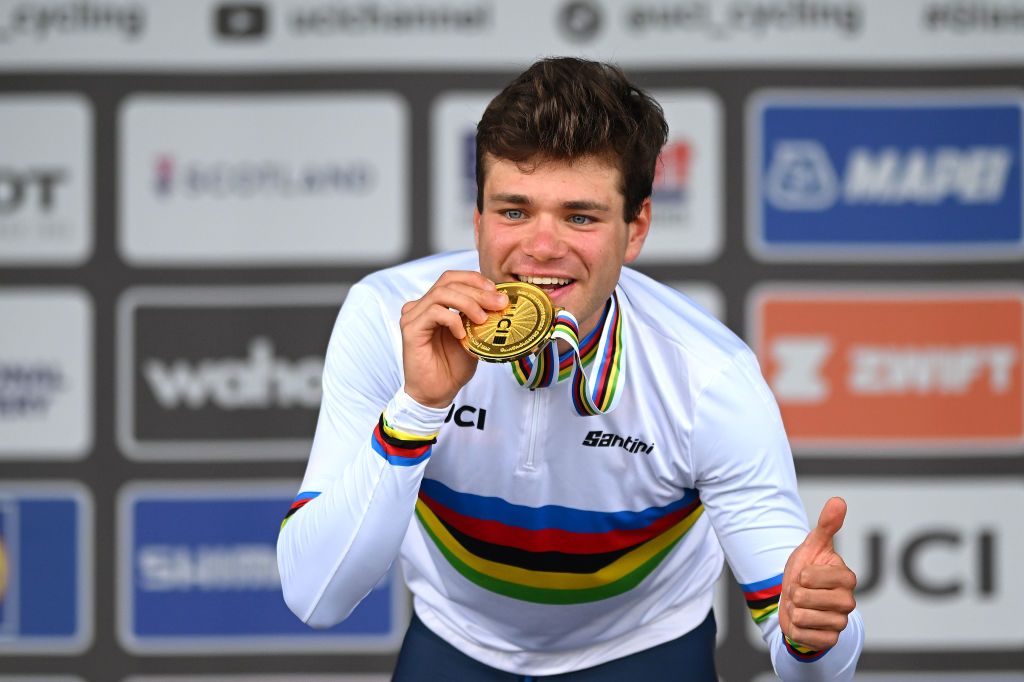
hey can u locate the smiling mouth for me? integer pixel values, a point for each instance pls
(548, 284)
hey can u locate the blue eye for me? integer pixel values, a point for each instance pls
(514, 214)
(579, 219)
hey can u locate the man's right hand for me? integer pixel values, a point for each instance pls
(436, 364)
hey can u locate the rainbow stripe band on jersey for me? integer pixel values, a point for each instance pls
(400, 448)
(551, 554)
(301, 500)
(593, 395)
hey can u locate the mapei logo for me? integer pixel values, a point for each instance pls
(245, 379)
(930, 369)
(929, 176)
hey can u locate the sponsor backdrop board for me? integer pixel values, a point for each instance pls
(921, 562)
(46, 373)
(877, 368)
(46, 179)
(197, 573)
(849, 175)
(243, 383)
(46, 559)
(188, 188)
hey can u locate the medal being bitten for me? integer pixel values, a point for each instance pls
(522, 328)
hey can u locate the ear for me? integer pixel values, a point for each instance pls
(637, 231)
(476, 227)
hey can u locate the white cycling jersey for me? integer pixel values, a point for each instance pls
(535, 540)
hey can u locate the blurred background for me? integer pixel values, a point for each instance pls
(188, 188)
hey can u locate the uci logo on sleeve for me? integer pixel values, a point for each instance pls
(927, 368)
(871, 175)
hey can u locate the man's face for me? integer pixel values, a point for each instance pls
(559, 225)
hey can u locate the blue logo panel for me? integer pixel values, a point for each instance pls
(44, 571)
(203, 577)
(933, 177)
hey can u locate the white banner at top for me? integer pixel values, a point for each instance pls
(309, 35)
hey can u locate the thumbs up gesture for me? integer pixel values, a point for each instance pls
(817, 586)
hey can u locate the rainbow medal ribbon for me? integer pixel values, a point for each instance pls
(597, 393)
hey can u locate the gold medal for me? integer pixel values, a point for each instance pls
(520, 329)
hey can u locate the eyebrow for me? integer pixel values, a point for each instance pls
(575, 205)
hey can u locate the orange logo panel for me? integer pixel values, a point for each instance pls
(900, 367)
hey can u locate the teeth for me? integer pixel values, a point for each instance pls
(531, 279)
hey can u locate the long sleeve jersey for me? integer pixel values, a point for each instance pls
(536, 540)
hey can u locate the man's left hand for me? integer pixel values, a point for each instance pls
(817, 586)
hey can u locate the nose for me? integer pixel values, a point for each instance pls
(545, 240)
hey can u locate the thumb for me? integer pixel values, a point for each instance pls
(829, 522)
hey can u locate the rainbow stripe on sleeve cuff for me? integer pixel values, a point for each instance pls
(763, 597)
(301, 500)
(763, 601)
(803, 653)
(400, 448)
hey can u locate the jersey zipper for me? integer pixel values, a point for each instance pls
(534, 419)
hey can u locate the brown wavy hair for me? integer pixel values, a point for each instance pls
(564, 108)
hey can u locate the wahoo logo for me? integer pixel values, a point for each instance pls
(886, 176)
(504, 326)
(214, 372)
(601, 439)
(931, 368)
(260, 380)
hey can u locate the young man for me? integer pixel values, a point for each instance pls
(537, 541)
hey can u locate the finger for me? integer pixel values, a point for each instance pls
(829, 522)
(490, 299)
(465, 299)
(838, 601)
(815, 619)
(827, 577)
(429, 319)
(470, 277)
(823, 635)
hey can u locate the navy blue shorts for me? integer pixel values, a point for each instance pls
(425, 657)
